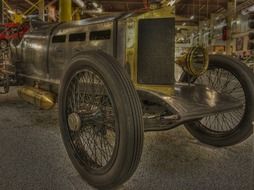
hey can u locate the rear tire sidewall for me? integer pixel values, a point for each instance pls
(244, 128)
(120, 167)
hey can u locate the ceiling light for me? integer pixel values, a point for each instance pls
(184, 24)
(100, 10)
(245, 12)
(95, 4)
(192, 17)
(171, 2)
(11, 12)
(248, 10)
(80, 3)
(251, 8)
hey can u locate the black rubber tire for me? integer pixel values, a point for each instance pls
(245, 128)
(130, 120)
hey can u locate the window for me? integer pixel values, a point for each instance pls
(59, 39)
(77, 37)
(100, 35)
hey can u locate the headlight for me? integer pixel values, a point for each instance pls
(195, 61)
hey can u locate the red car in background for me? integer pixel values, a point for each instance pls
(11, 31)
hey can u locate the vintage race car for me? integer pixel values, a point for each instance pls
(113, 78)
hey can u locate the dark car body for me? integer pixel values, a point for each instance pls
(45, 52)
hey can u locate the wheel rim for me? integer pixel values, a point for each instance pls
(92, 120)
(224, 82)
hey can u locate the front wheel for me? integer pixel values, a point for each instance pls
(100, 120)
(228, 76)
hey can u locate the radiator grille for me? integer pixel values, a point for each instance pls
(156, 51)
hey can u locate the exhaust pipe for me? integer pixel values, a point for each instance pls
(41, 98)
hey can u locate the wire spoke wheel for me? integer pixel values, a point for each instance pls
(226, 76)
(100, 118)
(223, 82)
(89, 99)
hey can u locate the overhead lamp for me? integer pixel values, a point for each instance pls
(79, 3)
(245, 12)
(11, 12)
(184, 24)
(100, 10)
(171, 3)
(248, 10)
(192, 17)
(251, 8)
(95, 4)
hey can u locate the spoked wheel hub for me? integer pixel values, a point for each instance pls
(89, 119)
(77, 120)
(74, 122)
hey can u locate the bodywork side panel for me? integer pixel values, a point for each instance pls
(41, 60)
(60, 54)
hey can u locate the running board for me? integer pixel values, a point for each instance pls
(189, 102)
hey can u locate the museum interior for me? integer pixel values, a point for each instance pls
(126, 94)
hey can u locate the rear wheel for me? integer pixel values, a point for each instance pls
(101, 120)
(228, 76)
